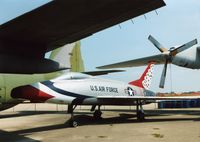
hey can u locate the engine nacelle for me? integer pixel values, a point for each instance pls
(189, 58)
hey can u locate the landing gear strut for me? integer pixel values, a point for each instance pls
(97, 114)
(71, 109)
(140, 111)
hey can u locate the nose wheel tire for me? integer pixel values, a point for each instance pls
(73, 123)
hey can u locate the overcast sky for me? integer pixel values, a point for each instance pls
(175, 24)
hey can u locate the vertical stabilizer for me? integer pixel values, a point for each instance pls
(69, 56)
(145, 79)
(76, 60)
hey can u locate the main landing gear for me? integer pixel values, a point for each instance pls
(139, 111)
(97, 113)
(71, 109)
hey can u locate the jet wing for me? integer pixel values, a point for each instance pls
(159, 59)
(103, 72)
(145, 98)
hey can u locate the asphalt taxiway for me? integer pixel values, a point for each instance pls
(49, 123)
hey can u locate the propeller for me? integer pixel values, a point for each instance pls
(169, 54)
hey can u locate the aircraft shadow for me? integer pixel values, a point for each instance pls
(86, 118)
(14, 137)
(150, 115)
(29, 113)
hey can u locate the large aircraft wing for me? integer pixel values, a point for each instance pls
(159, 59)
(27, 38)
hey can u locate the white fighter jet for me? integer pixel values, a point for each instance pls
(81, 89)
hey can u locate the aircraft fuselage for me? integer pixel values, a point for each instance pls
(80, 89)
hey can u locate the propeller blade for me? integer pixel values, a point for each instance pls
(159, 46)
(184, 47)
(163, 76)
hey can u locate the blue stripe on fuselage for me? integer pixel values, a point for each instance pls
(50, 85)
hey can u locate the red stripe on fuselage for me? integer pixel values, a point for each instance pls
(30, 93)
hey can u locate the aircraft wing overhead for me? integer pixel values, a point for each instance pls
(159, 59)
(64, 21)
(25, 39)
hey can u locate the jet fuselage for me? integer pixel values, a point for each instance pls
(80, 89)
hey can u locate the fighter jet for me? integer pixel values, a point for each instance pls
(80, 89)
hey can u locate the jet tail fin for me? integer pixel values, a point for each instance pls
(69, 56)
(145, 79)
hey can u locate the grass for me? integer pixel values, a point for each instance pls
(158, 135)
(102, 136)
(156, 128)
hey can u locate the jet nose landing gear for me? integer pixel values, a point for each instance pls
(72, 122)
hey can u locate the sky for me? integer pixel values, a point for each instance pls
(175, 24)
